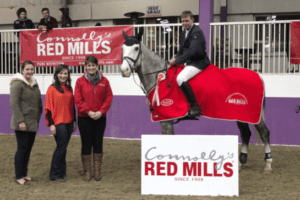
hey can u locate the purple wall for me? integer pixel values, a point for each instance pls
(129, 117)
(206, 16)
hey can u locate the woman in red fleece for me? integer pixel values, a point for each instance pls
(93, 98)
(60, 117)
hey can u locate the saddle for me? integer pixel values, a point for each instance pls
(228, 94)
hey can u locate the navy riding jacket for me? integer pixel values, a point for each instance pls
(192, 49)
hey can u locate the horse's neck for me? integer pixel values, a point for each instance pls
(151, 62)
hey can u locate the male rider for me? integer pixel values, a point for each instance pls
(192, 53)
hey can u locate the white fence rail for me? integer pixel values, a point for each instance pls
(260, 46)
(161, 38)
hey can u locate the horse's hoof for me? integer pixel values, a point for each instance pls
(243, 158)
(268, 169)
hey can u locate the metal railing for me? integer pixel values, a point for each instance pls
(260, 46)
(160, 38)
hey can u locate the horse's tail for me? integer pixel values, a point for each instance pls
(264, 98)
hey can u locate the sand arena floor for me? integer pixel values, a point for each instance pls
(121, 173)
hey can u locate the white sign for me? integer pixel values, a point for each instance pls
(190, 165)
(153, 11)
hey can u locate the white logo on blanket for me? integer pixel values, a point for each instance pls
(237, 99)
(167, 102)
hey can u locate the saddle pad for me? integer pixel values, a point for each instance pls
(231, 94)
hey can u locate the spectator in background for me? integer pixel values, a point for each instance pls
(47, 22)
(65, 19)
(93, 98)
(61, 118)
(23, 22)
(26, 106)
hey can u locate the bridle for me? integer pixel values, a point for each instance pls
(132, 68)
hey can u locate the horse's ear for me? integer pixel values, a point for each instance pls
(125, 35)
(140, 34)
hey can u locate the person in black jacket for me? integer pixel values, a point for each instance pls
(23, 22)
(192, 53)
(47, 22)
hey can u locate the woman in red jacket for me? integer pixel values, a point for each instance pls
(61, 118)
(93, 98)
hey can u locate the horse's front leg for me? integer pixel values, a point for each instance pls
(167, 127)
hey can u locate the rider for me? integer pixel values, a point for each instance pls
(192, 53)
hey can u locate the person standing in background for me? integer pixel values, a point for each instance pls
(65, 19)
(23, 22)
(26, 106)
(93, 98)
(61, 118)
(47, 22)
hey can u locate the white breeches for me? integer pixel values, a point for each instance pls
(187, 73)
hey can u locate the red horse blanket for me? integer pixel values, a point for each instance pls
(295, 43)
(230, 94)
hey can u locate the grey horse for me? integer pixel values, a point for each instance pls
(146, 63)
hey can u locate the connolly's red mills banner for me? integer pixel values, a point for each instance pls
(71, 46)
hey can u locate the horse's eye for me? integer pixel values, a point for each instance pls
(136, 48)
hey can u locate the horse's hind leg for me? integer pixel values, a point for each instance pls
(167, 127)
(245, 135)
(265, 137)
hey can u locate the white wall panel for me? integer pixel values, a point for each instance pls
(276, 85)
(116, 9)
(262, 6)
(87, 10)
(80, 11)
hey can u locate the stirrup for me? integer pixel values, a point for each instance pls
(190, 115)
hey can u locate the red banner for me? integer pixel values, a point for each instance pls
(71, 46)
(295, 43)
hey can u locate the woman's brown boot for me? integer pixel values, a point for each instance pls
(97, 165)
(86, 162)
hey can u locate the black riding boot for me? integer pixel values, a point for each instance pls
(187, 90)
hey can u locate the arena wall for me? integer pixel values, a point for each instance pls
(129, 116)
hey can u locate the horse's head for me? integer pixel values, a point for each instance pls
(131, 53)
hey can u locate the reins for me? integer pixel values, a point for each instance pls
(133, 69)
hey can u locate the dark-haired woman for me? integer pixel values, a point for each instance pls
(60, 117)
(26, 106)
(93, 98)
(23, 22)
(64, 18)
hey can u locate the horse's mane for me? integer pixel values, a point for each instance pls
(154, 55)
